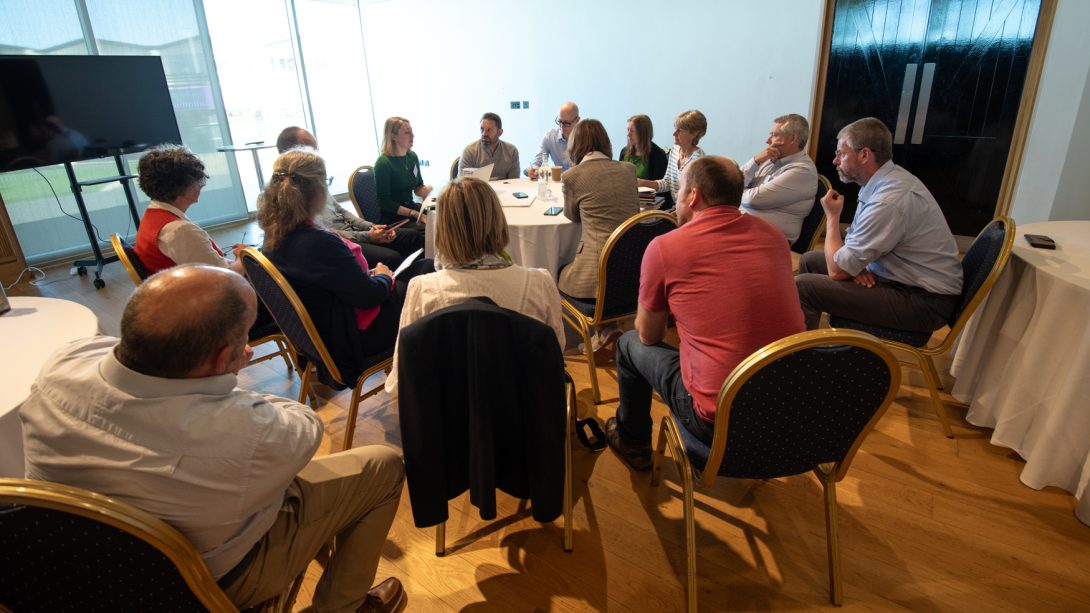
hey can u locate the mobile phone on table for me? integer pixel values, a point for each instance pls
(520, 195)
(1040, 241)
(554, 210)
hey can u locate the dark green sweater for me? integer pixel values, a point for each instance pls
(395, 179)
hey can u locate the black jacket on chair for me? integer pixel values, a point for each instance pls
(482, 406)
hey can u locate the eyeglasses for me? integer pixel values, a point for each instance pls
(566, 124)
(840, 155)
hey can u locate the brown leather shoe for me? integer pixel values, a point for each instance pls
(388, 597)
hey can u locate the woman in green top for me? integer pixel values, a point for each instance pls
(397, 173)
(649, 158)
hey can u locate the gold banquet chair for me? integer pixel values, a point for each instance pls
(981, 267)
(303, 338)
(814, 222)
(128, 258)
(803, 403)
(65, 548)
(364, 193)
(618, 281)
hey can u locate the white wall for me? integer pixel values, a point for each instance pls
(442, 64)
(1054, 182)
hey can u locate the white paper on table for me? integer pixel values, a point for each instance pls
(409, 260)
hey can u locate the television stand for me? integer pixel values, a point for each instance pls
(77, 190)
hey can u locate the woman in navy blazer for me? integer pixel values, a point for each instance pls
(356, 310)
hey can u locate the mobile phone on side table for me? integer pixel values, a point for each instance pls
(1040, 241)
(554, 210)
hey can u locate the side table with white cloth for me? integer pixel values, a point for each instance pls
(32, 331)
(537, 240)
(1023, 362)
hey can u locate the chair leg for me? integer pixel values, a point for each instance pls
(668, 434)
(932, 375)
(284, 354)
(441, 540)
(350, 425)
(304, 385)
(836, 595)
(592, 370)
(568, 434)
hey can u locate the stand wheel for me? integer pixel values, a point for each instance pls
(82, 271)
(99, 284)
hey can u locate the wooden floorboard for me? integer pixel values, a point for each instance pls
(926, 523)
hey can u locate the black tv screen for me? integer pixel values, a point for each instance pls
(66, 108)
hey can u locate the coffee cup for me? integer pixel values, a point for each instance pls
(556, 173)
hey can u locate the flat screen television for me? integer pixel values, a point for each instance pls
(67, 108)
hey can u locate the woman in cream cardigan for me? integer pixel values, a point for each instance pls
(470, 236)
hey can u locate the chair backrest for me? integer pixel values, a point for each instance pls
(802, 401)
(128, 258)
(364, 193)
(474, 422)
(980, 268)
(621, 259)
(288, 311)
(454, 168)
(67, 549)
(815, 219)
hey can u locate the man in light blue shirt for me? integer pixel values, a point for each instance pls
(897, 266)
(555, 143)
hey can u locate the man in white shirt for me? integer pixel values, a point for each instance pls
(781, 180)
(156, 420)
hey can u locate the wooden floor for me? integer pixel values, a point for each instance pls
(927, 523)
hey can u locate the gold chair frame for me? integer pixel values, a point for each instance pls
(925, 356)
(305, 391)
(569, 432)
(119, 251)
(829, 474)
(585, 325)
(149, 529)
(817, 241)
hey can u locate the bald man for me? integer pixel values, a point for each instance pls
(156, 420)
(555, 143)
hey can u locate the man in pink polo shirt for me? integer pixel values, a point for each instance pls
(727, 279)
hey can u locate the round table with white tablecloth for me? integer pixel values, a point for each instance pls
(31, 332)
(537, 240)
(1023, 362)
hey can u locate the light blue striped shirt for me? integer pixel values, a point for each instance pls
(554, 146)
(673, 173)
(900, 234)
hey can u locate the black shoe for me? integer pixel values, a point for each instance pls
(637, 457)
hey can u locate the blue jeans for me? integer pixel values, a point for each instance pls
(641, 368)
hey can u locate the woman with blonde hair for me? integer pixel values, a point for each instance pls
(689, 128)
(470, 237)
(642, 152)
(354, 309)
(397, 173)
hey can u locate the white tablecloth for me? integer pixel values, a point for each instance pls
(31, 332)
(1023, 363)
(537, 240)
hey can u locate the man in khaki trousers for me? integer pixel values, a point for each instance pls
(156, 420)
